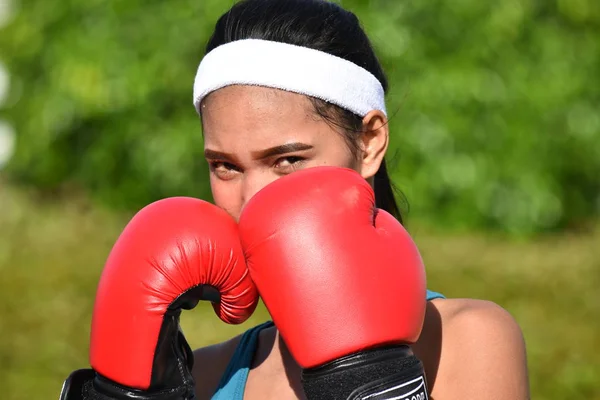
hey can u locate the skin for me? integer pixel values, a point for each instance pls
(253, 136)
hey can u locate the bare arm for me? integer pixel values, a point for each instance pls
(483, 355)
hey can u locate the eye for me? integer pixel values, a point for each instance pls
(223, 170)
(289, 162)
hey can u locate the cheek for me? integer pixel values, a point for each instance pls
(349, 160)
(338, 154)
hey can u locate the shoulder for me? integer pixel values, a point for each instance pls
(210, 363)
(487, 345)
(483, 324)
(479, 314)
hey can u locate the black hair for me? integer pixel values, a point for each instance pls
(319, 25)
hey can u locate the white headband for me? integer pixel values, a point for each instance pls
(292, 68)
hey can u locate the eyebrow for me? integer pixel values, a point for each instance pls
(262, 154)
(283, 149)
(216, 155)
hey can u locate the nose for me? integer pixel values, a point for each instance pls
(253, 183)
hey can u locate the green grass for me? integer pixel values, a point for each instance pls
(51, 255)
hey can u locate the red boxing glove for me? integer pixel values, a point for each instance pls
(174, 253)
(339, 278)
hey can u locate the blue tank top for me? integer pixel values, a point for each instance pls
(233, 382)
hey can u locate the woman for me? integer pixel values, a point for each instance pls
(256, 131)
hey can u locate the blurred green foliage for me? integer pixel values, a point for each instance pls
(496, 105)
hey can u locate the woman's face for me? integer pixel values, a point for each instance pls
(255, 135)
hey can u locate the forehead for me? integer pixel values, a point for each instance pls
(256, 114)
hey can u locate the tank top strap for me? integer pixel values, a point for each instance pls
(434, 295)
(233, 382)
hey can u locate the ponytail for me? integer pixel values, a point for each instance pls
(385, 198)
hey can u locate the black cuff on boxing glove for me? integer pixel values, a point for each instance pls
(379, 374)
(104, 389)
(86, 384)
(171, 373)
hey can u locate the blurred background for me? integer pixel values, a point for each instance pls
(495, 145)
